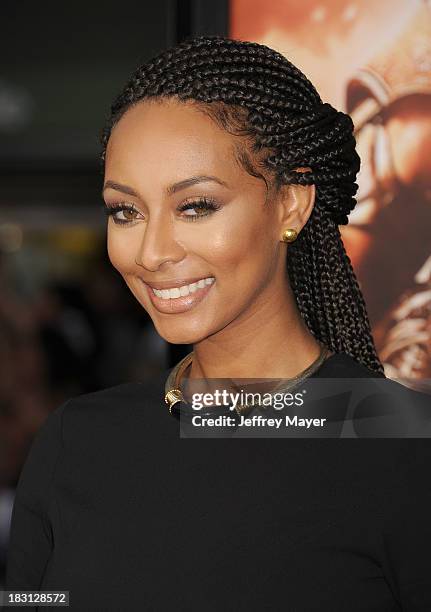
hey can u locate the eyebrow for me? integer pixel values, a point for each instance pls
(188, 182)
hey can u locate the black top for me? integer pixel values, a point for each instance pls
(118, 509)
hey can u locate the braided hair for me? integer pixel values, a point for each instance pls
(255, 93)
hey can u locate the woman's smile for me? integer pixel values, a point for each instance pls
(180, 299)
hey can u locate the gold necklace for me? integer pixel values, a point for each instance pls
(173, 392)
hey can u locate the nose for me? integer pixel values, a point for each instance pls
(158, 245)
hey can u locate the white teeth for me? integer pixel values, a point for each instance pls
(175, 292)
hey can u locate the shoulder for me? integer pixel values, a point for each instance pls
(378, 406)
(109, 401)
(342, 365)
(92, 414)
(112, 404)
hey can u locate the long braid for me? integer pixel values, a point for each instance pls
(255, 93)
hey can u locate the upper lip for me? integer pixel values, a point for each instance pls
(175, 283)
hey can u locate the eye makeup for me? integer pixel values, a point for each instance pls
(207, 206)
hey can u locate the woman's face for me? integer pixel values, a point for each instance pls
(153, 153)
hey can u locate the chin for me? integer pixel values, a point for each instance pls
(178, 334)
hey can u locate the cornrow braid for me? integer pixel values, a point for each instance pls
(254, 92)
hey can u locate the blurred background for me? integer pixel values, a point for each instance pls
(68, 323)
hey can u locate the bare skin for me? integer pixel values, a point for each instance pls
(248, 325)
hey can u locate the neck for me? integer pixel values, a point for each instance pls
(282, 347)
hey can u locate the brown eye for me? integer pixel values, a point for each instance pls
(127, 211)
(205, 205)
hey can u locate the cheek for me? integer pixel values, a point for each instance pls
(240, 252)
(120, 250)
(240, 238)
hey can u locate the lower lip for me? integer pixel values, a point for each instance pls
(179, 304)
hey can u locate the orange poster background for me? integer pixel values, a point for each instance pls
(373, 60)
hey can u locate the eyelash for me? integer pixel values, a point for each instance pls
(200, 204)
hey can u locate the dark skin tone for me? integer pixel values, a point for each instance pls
(248, 325)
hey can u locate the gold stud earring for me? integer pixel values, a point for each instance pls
(289, 235)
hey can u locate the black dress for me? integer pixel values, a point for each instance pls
(116, 507)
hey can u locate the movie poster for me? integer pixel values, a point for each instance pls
(373, 61)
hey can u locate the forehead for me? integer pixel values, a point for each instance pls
(169, 137)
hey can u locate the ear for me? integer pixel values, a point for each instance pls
(296, 203)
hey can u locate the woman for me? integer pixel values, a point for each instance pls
(222, 165)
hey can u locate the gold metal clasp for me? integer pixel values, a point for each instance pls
(172, 397)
